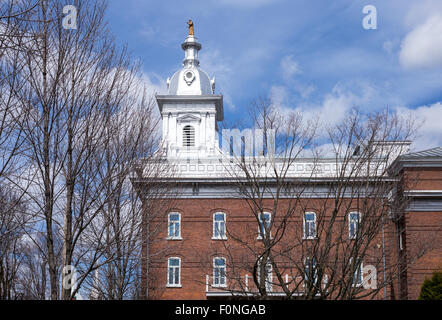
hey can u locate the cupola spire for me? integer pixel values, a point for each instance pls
(191, 47)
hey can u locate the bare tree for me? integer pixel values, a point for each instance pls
(14, 218)
(12, 222)
(73, 83)
(133, 135)
(12, 13)
(75, 118)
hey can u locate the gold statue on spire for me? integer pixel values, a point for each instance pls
(190, 24)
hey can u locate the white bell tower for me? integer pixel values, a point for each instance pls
(191, 109)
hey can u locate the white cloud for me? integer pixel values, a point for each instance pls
(278, 96)
(391, 46)
(422, 47)
(304, 90)
(430, 132)
(289, 67)
(421, 10)
(339, 101)
(330, 110)
(156, 86)
(219, 66)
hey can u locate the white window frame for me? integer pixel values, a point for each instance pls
(260, 223)
(172, 284)
(269, 275)
(310, 263)
(305, 225)
(359, 271)
(174, 236)
(401, 245)
(220, 274)
(215, 227)
(352, 221)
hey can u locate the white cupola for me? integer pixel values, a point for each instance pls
(191, 108)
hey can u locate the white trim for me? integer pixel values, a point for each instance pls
(423, 191)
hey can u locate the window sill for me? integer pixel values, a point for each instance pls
(174, 238)
(260, 238)
(219, 286)
(310, 238)
(218, 238)
(173, 286)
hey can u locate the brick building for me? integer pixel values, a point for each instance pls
(420, 227)
(209, 241)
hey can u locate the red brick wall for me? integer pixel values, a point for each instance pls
(423, 178)
(423, 232)
(197, 250)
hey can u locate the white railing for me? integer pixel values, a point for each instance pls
(245, 286)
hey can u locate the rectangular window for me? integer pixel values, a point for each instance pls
(219, 225)
(401, 246)
(268, 275)
(357, 275)
(309, 225)
(174, 226)
(173, 275)
(219, 272)
(263, 225)
(353, 224)
(310, 271)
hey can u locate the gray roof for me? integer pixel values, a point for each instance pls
(427, 158)
(430, 153)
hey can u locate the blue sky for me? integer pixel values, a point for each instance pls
(310, 55)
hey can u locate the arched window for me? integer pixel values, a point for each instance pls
(219, 225)
(188, 136)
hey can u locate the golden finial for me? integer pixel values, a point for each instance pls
(190, 24)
